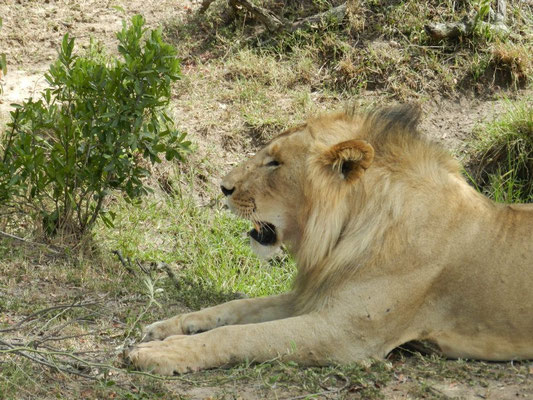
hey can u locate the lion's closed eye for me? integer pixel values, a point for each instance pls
(273, 163)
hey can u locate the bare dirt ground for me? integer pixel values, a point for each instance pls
(30, 35)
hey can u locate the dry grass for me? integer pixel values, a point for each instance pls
(384, 49)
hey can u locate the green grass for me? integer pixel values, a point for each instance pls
(207, 247)
(501, 161)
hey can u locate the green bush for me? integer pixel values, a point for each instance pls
(94, 130)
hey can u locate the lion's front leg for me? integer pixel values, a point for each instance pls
(306, 339)
(243, 311)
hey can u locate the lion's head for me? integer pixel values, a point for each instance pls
(272, 188)
(310, 165)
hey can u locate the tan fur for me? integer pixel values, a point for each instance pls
(391, 243)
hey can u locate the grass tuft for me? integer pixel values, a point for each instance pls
(501, 163)
(512, 62)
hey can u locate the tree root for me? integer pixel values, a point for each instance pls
(275, 23)
(338, 13)
(465, 28)
(269, 19)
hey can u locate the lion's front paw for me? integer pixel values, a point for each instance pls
(168, 357)
(186, 324)
(159, 331)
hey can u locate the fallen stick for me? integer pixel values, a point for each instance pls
(126, 263)
(33, 316)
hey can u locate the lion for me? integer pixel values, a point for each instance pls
(391, 243)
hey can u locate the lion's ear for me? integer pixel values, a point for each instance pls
(349, 159)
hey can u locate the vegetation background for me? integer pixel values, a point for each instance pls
(67, 311)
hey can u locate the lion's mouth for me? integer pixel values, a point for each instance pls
(264, 233)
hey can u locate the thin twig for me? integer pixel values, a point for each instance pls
(46, 310)
(126, 264)
(326, 392)
(40, 343)
(171, 275)
(50, 336)
(142, 268)
(21, 351)
(10, 236)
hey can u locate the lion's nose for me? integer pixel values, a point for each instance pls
(226, 191)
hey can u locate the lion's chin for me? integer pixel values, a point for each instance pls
(264, 252)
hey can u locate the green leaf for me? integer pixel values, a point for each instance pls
(3, 63)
